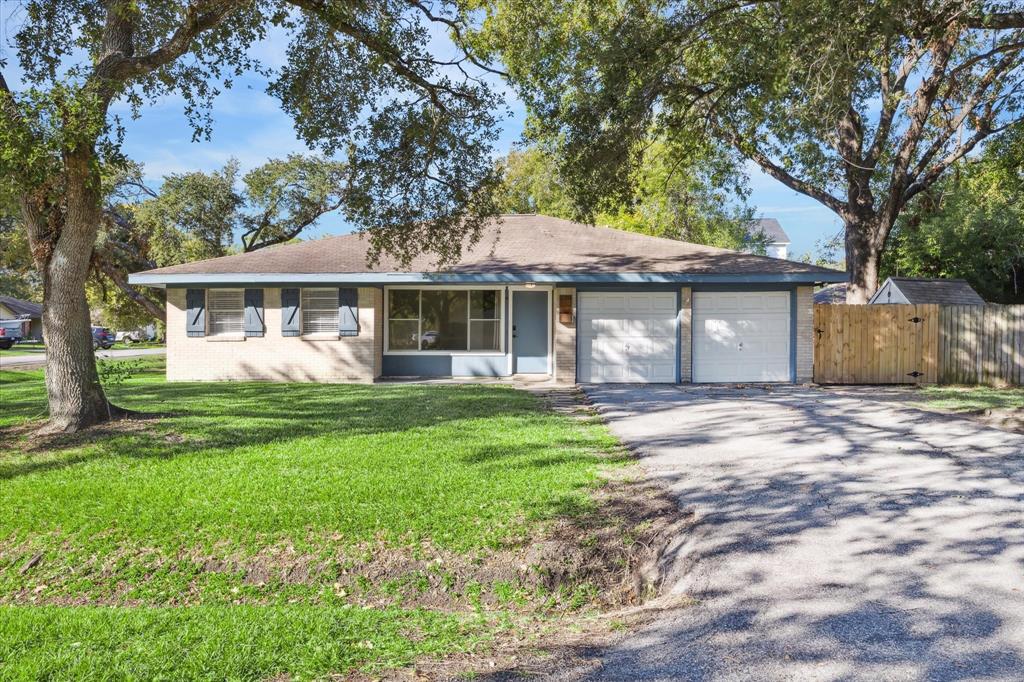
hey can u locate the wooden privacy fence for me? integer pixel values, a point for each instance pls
(981, 344)
(910, 344)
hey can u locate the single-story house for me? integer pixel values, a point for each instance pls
(535, 296)
(16, 309)
(776, 240)
(918, 291)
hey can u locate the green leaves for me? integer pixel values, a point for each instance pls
(699, 200)
(970, 226)
(412, 130)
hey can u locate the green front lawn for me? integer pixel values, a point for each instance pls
(971, 398)
(258, 530)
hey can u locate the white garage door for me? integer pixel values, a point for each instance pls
(627, 337)
(741, 336)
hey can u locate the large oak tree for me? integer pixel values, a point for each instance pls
(859, 105)
(360, 82)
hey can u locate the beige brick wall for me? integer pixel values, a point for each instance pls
(685, 335)
(804, 334)
(273, 357)
(564, 341)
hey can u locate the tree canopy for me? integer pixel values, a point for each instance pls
(701, 201)
(969, 225)
(858, 105)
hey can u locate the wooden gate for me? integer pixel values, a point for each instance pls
(876, 344)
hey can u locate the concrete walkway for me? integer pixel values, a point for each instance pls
(35, 361)
(837, 538)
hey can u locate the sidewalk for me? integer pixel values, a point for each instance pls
(36, 361)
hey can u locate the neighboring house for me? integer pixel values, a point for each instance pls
(16, 309)
(535, 296)
(777, 241)
(831, 294)
(917, 291)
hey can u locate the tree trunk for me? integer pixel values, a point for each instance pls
(862, 260)
(73, 387)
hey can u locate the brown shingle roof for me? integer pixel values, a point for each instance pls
(941, 291)
(518, 244)
(770, 228)
(22, 308)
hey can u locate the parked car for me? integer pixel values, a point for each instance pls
(131, 336)
(13, 331)
(102, 338)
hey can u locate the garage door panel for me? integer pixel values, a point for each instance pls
(627, 337)
(741, 336)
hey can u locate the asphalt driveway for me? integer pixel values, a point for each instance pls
(837, 538)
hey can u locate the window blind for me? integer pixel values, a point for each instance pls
(319, 311)
(226, 309)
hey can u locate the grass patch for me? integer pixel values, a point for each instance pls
(260, 529)
(21, 349)
(972, 398)
(240, 642)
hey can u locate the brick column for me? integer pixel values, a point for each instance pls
(564, 340)
(804, 334)
(685, 335)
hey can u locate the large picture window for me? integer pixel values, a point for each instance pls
(444, 320)
(227, 312)
(319, 311)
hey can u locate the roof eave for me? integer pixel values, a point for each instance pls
(384, 278)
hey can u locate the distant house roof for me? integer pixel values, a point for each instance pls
(940, 291)
(22, 308)
(516, 248)
(831, 294)
(771, 228)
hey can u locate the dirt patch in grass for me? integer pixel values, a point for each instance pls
(606, 557)
(1007, 419)
(26, 438)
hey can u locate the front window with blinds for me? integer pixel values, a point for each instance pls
(319, 311)
(226, 312)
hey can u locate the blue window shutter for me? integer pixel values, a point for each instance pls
(195, 315)
(254, 312)
(290, 318)
(348, 311)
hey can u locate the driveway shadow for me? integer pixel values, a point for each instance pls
(837, 538)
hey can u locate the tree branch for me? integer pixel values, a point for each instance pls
(968, 107)
(997, 20)
(198, 18)
(918, 114)
(892, 94)
(385, 50)
(118, 278)
(783, 176)
(928, 178)
(456, 28)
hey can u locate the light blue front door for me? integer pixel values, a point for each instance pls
(530, 332)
